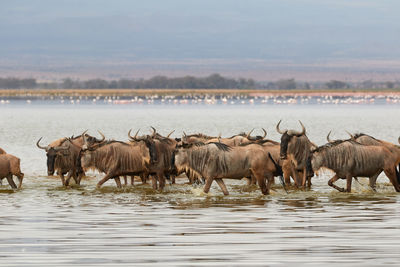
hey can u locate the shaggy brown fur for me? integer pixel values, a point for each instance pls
(217, 161)
(116, 159)
(9, 166)
(349, 159)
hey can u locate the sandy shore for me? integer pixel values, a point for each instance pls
(192, 92)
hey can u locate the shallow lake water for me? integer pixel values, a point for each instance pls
(45, 224)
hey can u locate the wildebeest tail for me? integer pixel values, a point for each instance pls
(309, 169)
(397, 175)
(277, 166)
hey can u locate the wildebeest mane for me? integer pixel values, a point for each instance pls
(334, 143)
(221, 146)
(200, 135)
(165, 140)
(108, 142)
(357, 135)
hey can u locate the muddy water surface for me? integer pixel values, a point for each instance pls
(46, 224)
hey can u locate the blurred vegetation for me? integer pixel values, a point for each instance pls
(214, 81)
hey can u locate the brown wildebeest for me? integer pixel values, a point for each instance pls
(349, 159)
(296, 149)
(63, 156)
(115, 159)
(236, 140)
(196, 138)
(162, 155)
(215, 161)
(371, 141)
(9, 166)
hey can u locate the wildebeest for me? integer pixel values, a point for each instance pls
(162, 149)
(369, 140)
(63, 156)
(349, 159)
(238, 139)
(296, 149)
(196, 138)
(9, 166)
(115, 159)
(215, 161)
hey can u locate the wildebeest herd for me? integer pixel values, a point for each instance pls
(204, 159)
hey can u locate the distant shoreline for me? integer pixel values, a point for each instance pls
(191, 92)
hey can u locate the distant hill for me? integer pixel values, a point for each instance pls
(239, 38)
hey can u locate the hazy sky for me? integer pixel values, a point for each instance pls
(296, 31)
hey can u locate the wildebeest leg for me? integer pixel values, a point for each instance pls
(168, 177)
(331, 183)
(221, 184)
(286, 172)
(62, 179)
(173, 179)
(207, 186)
(154, 182)
(372, 181)
(391, 174)
(143, 177)
(118, 181)
(132, 180)
(304, 177)
(349, 179)
(20, 178)
(309, 181)
(270, 181)
(161, 180)
(105, 179)
(261, 182)
(125, 180)
(11, 181)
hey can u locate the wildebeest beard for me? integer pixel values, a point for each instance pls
(152, 150)
(285, 139)
(309, 169)
(173, 159)
(51, 158)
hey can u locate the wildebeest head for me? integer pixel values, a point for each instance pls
(52, 153)
(287, 135)
(180, 156)
(88, 140)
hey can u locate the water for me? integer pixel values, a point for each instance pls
(46, 224)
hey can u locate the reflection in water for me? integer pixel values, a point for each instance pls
(45, 223)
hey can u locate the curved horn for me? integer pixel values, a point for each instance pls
(351, 136)
(39, 146)
(184, 134)
(278, 129)
(303, 129)
(154, 130)
(265, 133)
(84, 139)
(398, 140)
(248, 135)
(170, 134)
(327, 137)
(102, 135)
(133, 137)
